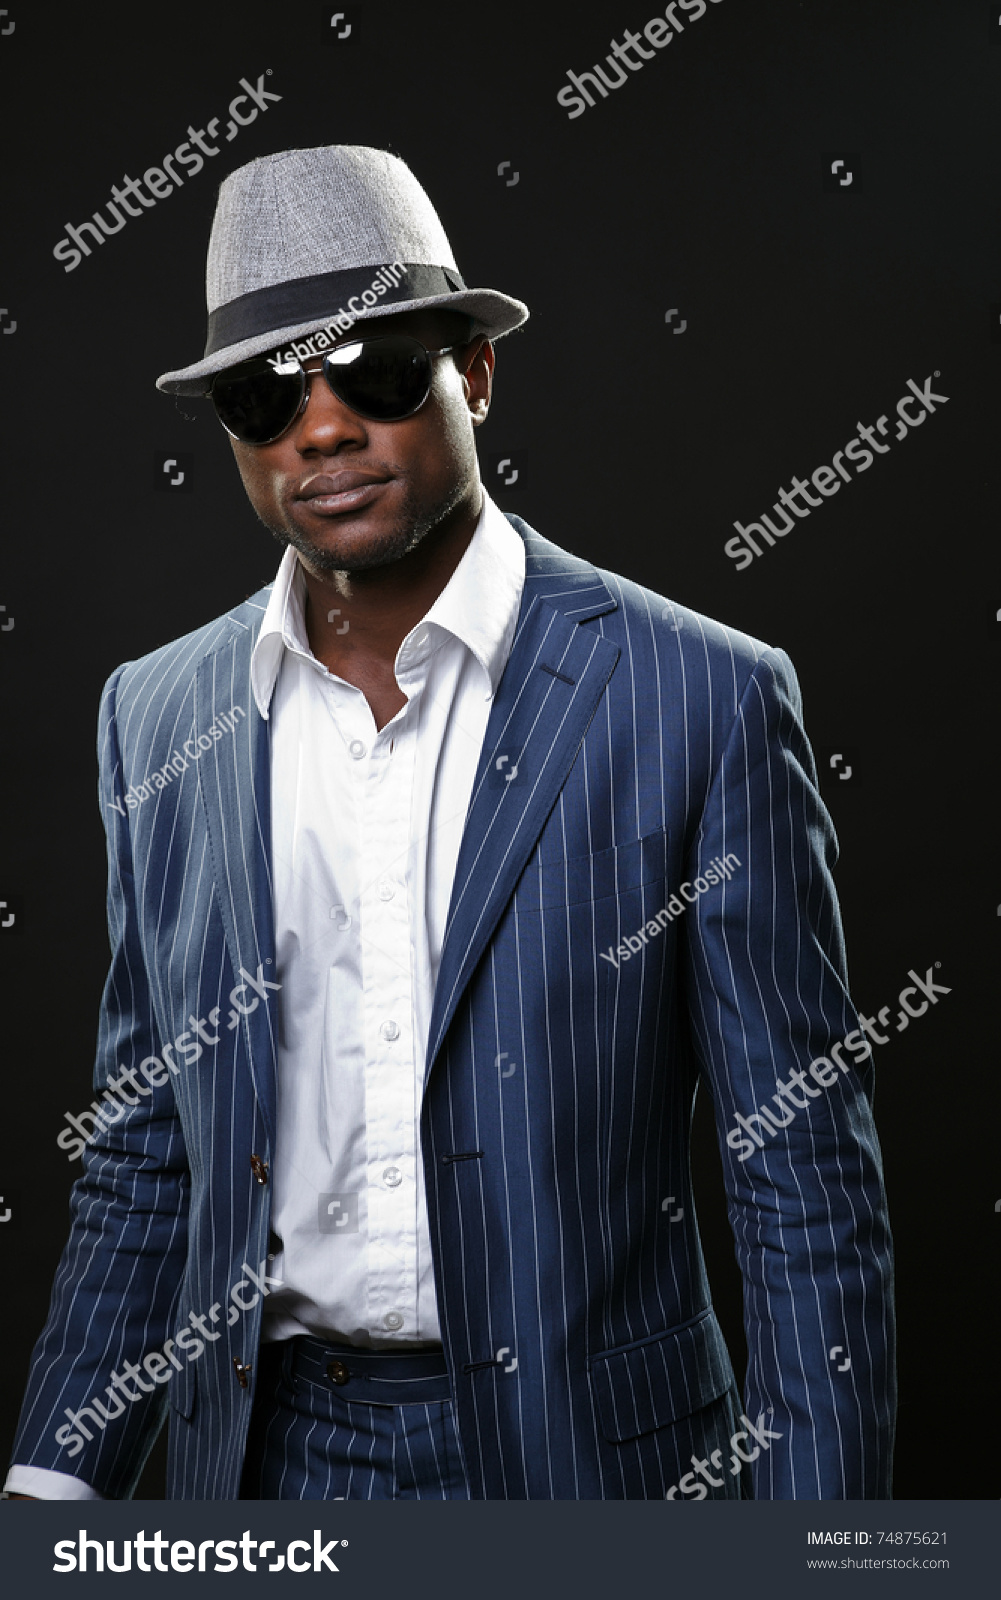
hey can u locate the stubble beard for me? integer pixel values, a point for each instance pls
(412, 525)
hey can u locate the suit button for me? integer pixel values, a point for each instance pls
(242, 1373)
(259, 1168)
(337, 1372)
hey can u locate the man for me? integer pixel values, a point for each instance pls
(441, 872)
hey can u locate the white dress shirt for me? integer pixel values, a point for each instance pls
(366, 827)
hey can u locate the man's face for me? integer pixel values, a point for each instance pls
(351, 494)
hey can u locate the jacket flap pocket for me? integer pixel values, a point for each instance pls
(661, 1379)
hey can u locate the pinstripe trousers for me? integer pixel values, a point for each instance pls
(332, 1422)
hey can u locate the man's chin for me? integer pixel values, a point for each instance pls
(334, 549)
(353, 544)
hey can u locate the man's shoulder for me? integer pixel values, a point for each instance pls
(170, 669)
(678, 656)
(649, 624)
(670, 620)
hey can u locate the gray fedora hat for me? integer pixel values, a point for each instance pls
(311, 240)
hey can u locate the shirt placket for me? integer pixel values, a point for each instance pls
(386, 773)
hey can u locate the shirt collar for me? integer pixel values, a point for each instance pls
(479, 605)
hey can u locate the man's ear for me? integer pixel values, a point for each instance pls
(476, 368)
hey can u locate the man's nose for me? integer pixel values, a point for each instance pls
(326, 422)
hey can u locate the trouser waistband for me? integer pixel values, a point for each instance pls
(374, 1377)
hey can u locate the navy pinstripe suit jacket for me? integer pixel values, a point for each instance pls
(648, 740)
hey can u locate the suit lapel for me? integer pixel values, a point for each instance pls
(235, 781)
(553, 681)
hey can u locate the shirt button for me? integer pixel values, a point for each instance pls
(392, 1176)
(390, 1030)
(392, 1320)
(357, 749)
(386, 891)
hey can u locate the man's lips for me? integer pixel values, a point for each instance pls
(332, 492)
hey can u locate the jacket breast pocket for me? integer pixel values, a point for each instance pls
(620, 873)
(658, 1380)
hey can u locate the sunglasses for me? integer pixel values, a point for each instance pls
(383, 379)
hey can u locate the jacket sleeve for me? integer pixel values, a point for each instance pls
(119, 1277)
(768, 998)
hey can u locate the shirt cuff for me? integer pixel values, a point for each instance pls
(45, 1484)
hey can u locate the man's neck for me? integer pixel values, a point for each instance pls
(356, 621)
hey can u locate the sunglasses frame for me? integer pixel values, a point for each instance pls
(326, 362)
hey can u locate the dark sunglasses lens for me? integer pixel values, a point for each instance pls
(382, 379)
(256, 402)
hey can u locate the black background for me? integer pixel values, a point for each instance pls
(699, 185)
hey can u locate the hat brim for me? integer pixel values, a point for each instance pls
(493, 315)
